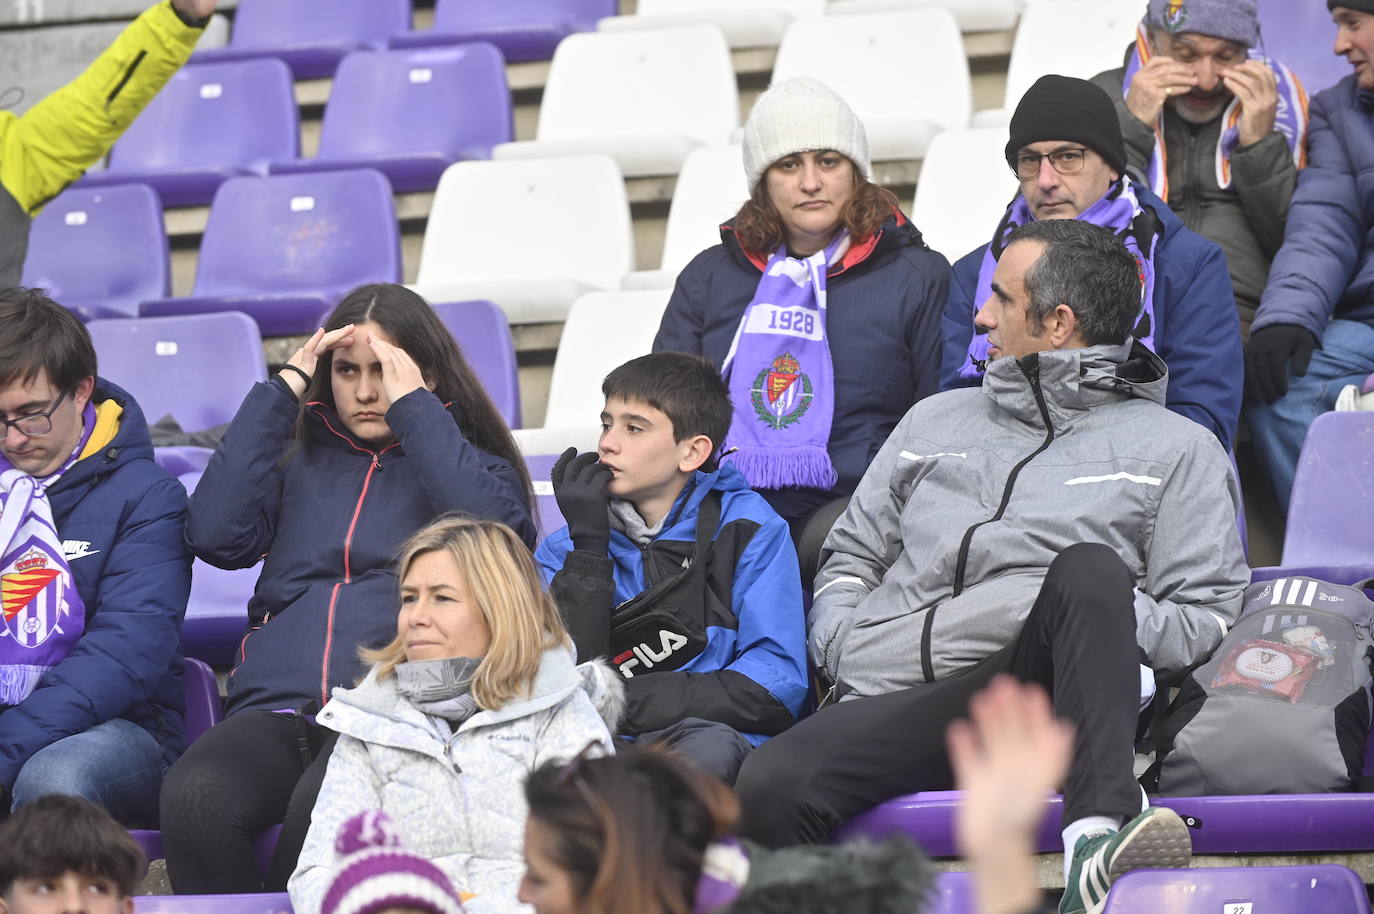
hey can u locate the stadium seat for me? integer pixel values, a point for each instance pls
(904, 73)
(285, 248)
(1069, 37)
(263, 848)
(208, 124)
(550, 519)
(481, 330)
(644, 98)
(1320, 888)
(529, 235)
(972, 15)
(746, 23)
(217, 611)
(100, 251)
(310, 36)
(1300, 35)
(964, 189)
(709, 191)
(523, 30)
(203, 706)
(953, 894)
(1330, 510)
(266, 903)
(411, 114)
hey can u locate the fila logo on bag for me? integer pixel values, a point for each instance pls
(646, 656)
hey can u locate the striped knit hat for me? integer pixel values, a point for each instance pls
(376, 873)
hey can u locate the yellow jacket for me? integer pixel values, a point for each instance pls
(56, 140)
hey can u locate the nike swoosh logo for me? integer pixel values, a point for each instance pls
(82, 553)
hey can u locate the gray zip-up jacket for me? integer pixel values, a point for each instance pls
(942, 551)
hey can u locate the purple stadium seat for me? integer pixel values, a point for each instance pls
(217, 612)
(1301, 35)
(953, 895)
(411, 114)
(285, 248)
(550, 518)
(100, 251)
(1321, 888)
(263, 848)
(203, 706)
(527, 30)
(266, 903)
(208, 124)
(310, 36)
(1331, 510)
(1268, 824)
(481, 330)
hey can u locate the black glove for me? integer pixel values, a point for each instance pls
(1267, 358)
(579, 485)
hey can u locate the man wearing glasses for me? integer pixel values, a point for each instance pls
(1067, 152)
(93, 573)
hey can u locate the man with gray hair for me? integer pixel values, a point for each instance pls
(1059, 525)
(1218, 134)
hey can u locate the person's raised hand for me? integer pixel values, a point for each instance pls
(1268, 357)
(306, 358)
(1257, 87)
(1154, 84)
(579, 486)
(400, 374)
(195, 9)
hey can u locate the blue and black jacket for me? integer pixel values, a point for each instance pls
(751, 674)
(326, 525)
(120, 517)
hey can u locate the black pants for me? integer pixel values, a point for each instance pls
(250, 772)
(1078, 642)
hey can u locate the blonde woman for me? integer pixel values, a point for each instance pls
(478, 688)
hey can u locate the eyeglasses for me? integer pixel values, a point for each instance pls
(1065, 161)
(36, 425)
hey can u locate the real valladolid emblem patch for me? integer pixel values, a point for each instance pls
(1175, 14)
(782, 393)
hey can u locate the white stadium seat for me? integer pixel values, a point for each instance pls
(531, 236)
(746, 23)
(904, 73)
(972, 15)
(964, 189)
(645, 98)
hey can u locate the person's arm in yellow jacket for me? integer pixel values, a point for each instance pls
(56, 140)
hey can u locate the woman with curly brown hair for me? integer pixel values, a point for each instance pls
(821, 304)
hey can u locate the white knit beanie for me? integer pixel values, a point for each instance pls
(801, 115)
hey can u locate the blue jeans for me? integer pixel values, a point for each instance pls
(116, 764)
(1278, 428)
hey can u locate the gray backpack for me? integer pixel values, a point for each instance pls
(1284, 704)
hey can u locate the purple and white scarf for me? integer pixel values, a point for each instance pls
(42, 614)
(784, 389)
(1118, 210)
(1291, 119)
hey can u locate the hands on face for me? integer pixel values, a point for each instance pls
(579, 486)
(308, 356)
(400, 374)
(1251, 81)
(1157, 81)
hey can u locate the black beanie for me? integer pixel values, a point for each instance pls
(1359, 6)
(1064, 108)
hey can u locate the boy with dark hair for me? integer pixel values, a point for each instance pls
(676, 571)
(65, 854)
(94, 575)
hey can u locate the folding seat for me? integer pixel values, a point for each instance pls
(529, 235)
(283, 249)
(523, 30)
(1320, 888)
(550, 519)
(217, 611)
(964, 189)
(746, 23)
(482, 332)
(904, 73)
(645, 98)
(100, 251)
(1300, 35)
(1330, 510)
(972, 15)
(709, 191)
(265, 903)
(208, 124)
(411, 114)
(310, 36)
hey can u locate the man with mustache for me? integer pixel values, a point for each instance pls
(1216, 133)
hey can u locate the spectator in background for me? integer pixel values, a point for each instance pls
(477, 689)
(821, 286)
(56, 140)
(1058, 525)
(1314, 333)
(1066, 148)
(375, 426)
(94, 575)
(1217, 134)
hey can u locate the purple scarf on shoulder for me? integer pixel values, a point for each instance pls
(781, 379)
(1118, 210)
(42, 616)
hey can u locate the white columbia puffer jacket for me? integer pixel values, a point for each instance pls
(457, 799)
